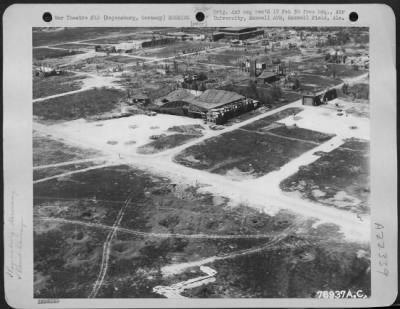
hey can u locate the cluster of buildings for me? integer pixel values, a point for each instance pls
(191, 97)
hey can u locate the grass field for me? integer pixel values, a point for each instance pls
(47, 86)
(66, 259)
(79, 105)
(295, 268)
(166, 142)
(228, 154)
(266, 121)
(332, 69)
(122, 39)
(311, 82)
(75, 46)
(122, 59)
(178, 47)
(54, 171)
(40, 38)
(339, 178)
(46, 53)
(67, 254)
(47, 150)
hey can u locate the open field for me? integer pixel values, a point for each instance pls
(46, 53)
(125, 38)
(43, 87)
(79, 105)
(296, 268)
(122, 59)
(47, 151)
(74, 213)
(228, 154)
(42, 173)
(76, 46)
(267, 121)
(177, 48)
(311, 82)
(339, 178)
(166, 224)
(339, 70)
(128, 134)
(66, 259)
(58, 36)
(166, 142)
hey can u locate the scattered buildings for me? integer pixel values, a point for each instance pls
(262, 72)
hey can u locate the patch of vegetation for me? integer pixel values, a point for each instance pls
(121, 59)
(356, 91)
(194, 129)
(296, 268)
(300, 133)
(266, 121)
(311, 82)
(52, 171)
(339, 178)
(46, 53)
(41, 37)
(230, 151)
(156, 206)
(166, 142)
(66, 260)
(78, 105)
(75, 46)
(49, 151)
(51, 85)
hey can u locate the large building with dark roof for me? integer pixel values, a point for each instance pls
(213, 105)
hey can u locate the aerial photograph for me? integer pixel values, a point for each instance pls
(229, 162)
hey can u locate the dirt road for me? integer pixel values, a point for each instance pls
(107, 249)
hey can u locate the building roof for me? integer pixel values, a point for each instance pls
(267, 74)
(179, 95)
(212, 98)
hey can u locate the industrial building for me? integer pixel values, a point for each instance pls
(213, 105)
(316, 99)
(261, 72)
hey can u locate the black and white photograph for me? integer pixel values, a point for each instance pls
(225, 162)
(200, 156)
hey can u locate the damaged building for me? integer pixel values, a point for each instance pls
(213, 105)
